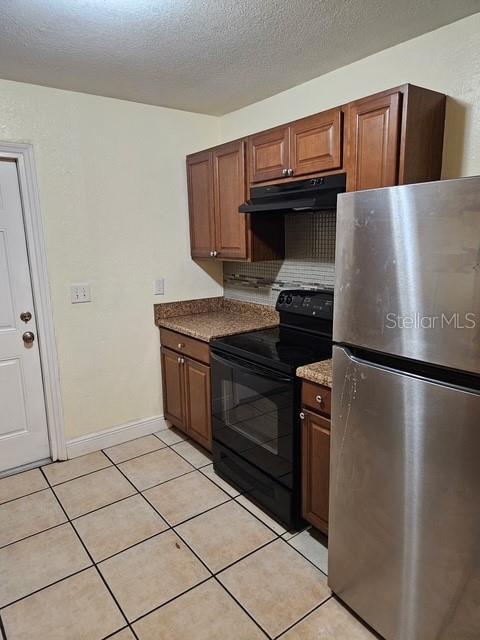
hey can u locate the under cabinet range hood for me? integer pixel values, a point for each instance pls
(297, 196)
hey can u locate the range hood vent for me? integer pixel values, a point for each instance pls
(297, 196)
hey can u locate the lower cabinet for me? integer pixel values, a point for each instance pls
(315, 461)
(186, 395)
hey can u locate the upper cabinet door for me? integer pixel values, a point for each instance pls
(316, 143)
(229, 193)
(200, 202)
(269, 154)
(373, 141)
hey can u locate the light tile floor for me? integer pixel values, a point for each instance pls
(144, 541)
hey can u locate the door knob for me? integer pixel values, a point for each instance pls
(26, 316)
(28, 337)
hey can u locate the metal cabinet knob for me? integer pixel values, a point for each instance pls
(26, 316)
(211, 254)
(319, 399)
(180, 345)
(28, 337)
(289, 172)
(215, 254)
(302, 415)
(180, 360)
(284, 172)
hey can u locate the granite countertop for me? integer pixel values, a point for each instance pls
(318, 372)
(209, 318)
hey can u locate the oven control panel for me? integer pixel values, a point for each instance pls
(316, 303)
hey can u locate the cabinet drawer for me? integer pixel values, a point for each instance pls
(184, 344)
(317, 397)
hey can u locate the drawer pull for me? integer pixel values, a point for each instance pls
(319, 399)
(180, 345)
(180, 360)
(302, 415)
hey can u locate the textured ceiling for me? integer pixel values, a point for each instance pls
(211, 56)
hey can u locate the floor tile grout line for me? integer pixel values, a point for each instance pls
(279, 535)
(32, 535)
(212, 575)
(136, 456)
(47, 586)
(32, 493)
(81, 475)
(201, 513)
(315, 608)
(306, 558)
(114, 633)
(167, 602)
(247, 555)
(171, 528)
(99, 573)
(3, 633)
(242, 607)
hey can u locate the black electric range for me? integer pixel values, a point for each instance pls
(256, 400)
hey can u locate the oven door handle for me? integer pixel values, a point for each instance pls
(250, 367)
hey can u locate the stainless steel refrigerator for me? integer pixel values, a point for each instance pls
(404, 531)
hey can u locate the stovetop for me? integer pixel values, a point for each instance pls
(281, 348)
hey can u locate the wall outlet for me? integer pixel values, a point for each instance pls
(80, 293)
(159, 287)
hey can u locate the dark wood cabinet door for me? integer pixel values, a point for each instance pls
(269, 154)
(316, 143)
(229, 193)
(315, 469)
(197, 402)
(200, 204)
(173, 388)
(373, 141)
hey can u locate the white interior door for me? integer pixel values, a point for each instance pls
(23, 423)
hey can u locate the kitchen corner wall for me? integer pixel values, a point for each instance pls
(309, 262)
(114, 204)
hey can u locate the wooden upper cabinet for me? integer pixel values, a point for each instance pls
(216, 188)
(373, 141)
(229, 190)
(269, 154)
(316, 143)
(200, 204)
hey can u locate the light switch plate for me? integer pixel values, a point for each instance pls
(80, 293)
(159, 287)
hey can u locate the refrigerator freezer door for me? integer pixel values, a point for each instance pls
(408, 272)
(404, 531)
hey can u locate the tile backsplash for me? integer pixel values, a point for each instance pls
(309, 262)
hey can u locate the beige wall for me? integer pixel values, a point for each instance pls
(447, 60)
(113, 198)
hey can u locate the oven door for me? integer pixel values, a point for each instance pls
(253, 414)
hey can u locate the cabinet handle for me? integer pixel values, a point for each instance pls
(215, 254)
(211, 254)
(180, 360)
(284, 172)
(180, 345)
(302, 415)
(289, 172)
(319, 399)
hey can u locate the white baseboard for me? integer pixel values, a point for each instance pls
(115, 435)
